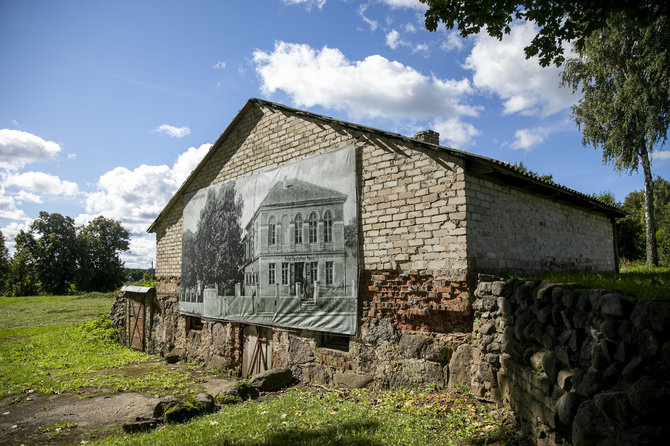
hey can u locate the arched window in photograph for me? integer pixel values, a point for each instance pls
(272, 233)
(313, 224)
(297, 236)
(328, 227)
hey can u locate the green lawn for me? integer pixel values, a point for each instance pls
(318, 416)
(635, 281)
(44, 348)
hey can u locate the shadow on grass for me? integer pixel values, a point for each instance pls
(340, 434)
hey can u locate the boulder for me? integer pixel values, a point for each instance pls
(566, 407)
(459, 367)
(271, 380)
(236, 393)
(352, 380)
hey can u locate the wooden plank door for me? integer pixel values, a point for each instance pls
(136, 324)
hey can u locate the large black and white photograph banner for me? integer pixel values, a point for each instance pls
(276, 248)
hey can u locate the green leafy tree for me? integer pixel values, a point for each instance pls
(522, 167)
(624, 75)
(54, 250)
(558, 22)
(22, 276)
(4, 265)
(101, 243)
(219, 251)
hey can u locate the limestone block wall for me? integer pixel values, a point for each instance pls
(511, 230)
(582, 367)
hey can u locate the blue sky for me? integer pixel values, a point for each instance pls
(106, 107)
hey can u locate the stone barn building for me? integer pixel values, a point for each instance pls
(429, 220)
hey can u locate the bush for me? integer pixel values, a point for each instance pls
(99, 329)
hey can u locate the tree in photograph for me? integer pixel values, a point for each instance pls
(219, 250)
(54, 250)
(101, 242)
(624, 75)
(568, 21)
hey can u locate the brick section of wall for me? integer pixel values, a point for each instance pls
(515, 231)
(417, 301)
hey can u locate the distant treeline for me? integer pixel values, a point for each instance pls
(56, 257)
(140, 276)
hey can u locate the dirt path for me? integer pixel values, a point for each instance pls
(45, 419)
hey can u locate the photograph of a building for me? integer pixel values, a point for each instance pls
(275, 248)
(295, 243)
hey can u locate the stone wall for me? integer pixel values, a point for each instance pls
(577, 366)
(512, 230)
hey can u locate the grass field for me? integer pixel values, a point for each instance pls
(57, 344)
(318, 416)
(634, 281)
(44, 348)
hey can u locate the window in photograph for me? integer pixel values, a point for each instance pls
(284, 273)
(313, 225)
(271, 273)
(329, 273)
(297, 238)
(272, 235)
(328, 227)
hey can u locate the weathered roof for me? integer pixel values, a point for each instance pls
(475, 164)
(292, 191)
(137, 289)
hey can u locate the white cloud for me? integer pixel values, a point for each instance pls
(413, 4)
(455, 133)
(220, 65)
(27, 197)
(43, 183)
(188, 161)
(307, 3)
(174, 132)
(72, 156)
(8, 207)
(524, 86)
(393, 39)
(18, 148)
(372, 23)
(142, 252)
(527, 139)
(452, 42)
(136, 197)
(372, 87)
(660, 155)
(410, 28)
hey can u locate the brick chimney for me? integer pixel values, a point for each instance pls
(429, 136)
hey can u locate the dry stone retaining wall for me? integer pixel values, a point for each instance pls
(578, 366)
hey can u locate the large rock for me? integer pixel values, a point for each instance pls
(459, 367)
(566, 407)
(178, 410)
(650, 397)
(351, 380)
(237, 393)
(590, 426)
(271, 380)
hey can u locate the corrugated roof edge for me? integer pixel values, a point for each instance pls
(581, 198)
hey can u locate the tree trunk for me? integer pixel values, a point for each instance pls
(652, 256)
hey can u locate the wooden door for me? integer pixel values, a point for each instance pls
(257, 350)
(136, 323)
